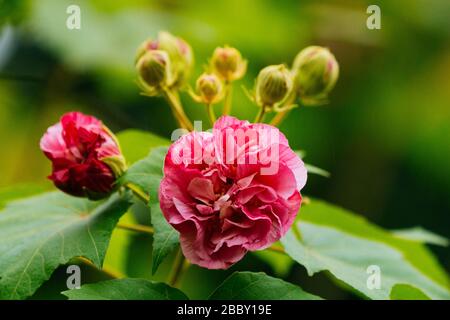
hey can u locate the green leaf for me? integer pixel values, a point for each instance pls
(300, 153)
(258, 286)
(117, 254)
(316, 170)
(22, 190)
(421, 235)
(147, 173)
(310, 168)
(322, 213)
(165, 239)
(137, 144)
(407, 292)
(348, 257)
(40, 233)
(125, 289)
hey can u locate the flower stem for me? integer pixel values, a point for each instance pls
(177, 268)
(107, 271)
(138, 192)
(136, 228)
(280, 116)
(211, 115)
(261, 114)
(177, 109)
(276, 248)
(228, 98)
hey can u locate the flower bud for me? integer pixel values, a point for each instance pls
(145, 46)
(85, 155)
(227, 62)
(273, 84)
(154, 68)
(179, 53)
(210, 88)
(316, 72)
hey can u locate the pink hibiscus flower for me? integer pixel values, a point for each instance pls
(79, 147)
(230, 191)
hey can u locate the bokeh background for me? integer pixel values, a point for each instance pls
(384, 136)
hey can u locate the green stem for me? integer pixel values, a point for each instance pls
(177, 109)
(138, 192)
(107, 271)
(228, 98)
(280, 116)
(136, 228)
(211, 115)
(261, 114)
(177, 268)
(277, 249)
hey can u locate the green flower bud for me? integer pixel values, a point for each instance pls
(179, 52)
(316, 72)
(153, 68)
(227, 62)
(273, 84)
(181, 57)
(210, 88)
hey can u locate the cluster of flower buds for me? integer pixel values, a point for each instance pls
(164, 63)
(315, 74)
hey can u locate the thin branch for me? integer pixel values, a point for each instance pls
(228, 98)
(138, 192)
(277, 249)
(177, 109)
(107, 271)
(177, 269)
(136, 228)
(280, 116)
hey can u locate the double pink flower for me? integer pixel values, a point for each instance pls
(230, 191)
(82, 152)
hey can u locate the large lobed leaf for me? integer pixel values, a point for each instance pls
(18, 191)
(348, 257)
(322, 213)
(125, 289)
(42, 232)
(258, 286)
(421, 235)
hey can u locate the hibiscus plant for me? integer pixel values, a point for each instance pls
(214, 196)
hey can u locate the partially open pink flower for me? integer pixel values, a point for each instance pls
(85, 156)
(230, 191)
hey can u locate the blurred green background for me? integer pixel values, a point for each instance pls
(385, 136)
